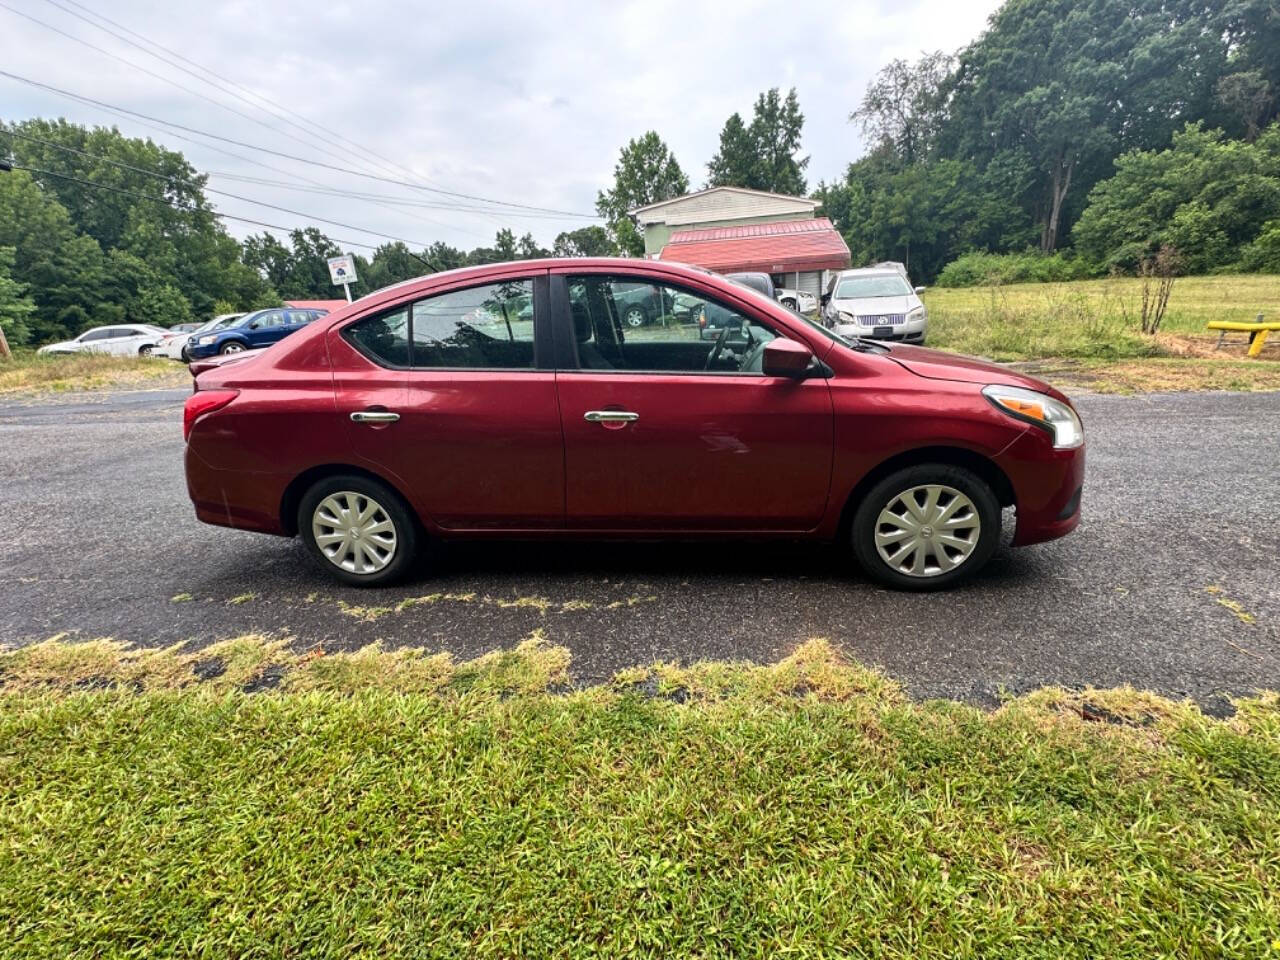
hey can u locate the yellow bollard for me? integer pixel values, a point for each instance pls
(1259, 338)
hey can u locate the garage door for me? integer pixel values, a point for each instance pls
(811, 282)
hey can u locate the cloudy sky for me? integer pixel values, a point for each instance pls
(516, 102)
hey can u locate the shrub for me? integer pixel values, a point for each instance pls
(977, 269)
(1263, 255)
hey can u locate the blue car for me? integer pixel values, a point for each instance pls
(253, 331)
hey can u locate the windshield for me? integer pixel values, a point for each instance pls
(217, 323)
(854, 343)
(879, 285)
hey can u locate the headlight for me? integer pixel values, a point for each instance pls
(916, 314)
(205, 341)
(1050, 415)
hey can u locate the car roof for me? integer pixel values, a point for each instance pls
(870, 272)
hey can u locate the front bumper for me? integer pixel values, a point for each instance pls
(1048, 487)
(898, 333)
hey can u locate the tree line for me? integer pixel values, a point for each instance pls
(1076, 136)
(104, 228)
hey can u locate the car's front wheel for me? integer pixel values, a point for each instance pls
(231, 346)
(635, 316)
(789, 303)
(926, 527)
(358, 530)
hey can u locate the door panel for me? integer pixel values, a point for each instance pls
(473, 449)
(706, 452)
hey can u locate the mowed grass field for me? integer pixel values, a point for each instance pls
(1093, 319)
(29, 372)
(381, 804)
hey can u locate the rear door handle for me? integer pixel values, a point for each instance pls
(375, 416)
(610, 416)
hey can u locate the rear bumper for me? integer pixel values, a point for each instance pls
(235, 498)
(1048, 487)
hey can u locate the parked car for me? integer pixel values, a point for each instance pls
(125, 340)
(876, 302)
(252, 331)
(423, 413)
(175, 347)
(799, 300)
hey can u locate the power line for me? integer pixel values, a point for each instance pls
(327, 131)
(288, 156)
(326, 191)
(234, 196)
(322, 147)
(127, 115)
(178, 206)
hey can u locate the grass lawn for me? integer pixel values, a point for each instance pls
(382, 805)
(28, 372)
(1094, 321)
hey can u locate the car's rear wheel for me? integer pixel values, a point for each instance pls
(634, 316)
(789, 303)
(926, 527)
(145, 350)
(231, 346)
(358, 530)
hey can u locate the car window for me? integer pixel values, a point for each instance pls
(271, 318)
(117, 333)
(885, 285)
(487, 327)
(625, 325)
(99, 334)
(384, 338)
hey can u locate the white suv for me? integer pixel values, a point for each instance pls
(877, 303)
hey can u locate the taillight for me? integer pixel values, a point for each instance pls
(202, 402)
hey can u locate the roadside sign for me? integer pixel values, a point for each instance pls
(342, 269)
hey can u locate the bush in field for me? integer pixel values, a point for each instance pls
(1205, 195)
(1263, 255)
(979, 269)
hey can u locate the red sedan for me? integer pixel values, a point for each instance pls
(514, 400)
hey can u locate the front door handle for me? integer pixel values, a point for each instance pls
(374, 416)
(610, 416)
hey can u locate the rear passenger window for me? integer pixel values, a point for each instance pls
(479, 328)
(383, 339)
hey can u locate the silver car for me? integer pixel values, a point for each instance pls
(877, 303)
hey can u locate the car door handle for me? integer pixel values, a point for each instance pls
(375, 416)
(610, 416)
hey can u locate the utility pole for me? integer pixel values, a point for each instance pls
(6, 166)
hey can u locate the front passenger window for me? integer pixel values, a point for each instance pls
(625, 324)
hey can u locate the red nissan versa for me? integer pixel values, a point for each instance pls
(513, 400)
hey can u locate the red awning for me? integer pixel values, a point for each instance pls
(782, 247)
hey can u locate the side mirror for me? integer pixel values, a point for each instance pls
(919, 290)
(786, 358)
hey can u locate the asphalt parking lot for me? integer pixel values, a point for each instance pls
(1172, 582)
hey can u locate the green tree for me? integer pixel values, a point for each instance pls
(63, 271)
(646, 172)
(1206, 196)
(584, 242)
(736, 162)
(1069, 84)
(775, 130)
(16, 308)
(905, 105)
(161, 304)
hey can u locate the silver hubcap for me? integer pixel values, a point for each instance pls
(232, 348)
(927, 530)
(354, 532)
(635, 317)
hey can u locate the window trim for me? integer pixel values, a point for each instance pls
(541, 349)
(566, 323)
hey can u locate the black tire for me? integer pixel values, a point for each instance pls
(232, 346)
(788, 303)
(186, 355)
(634, 316)
(397, 512)
(145, 350)
(886, 493)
